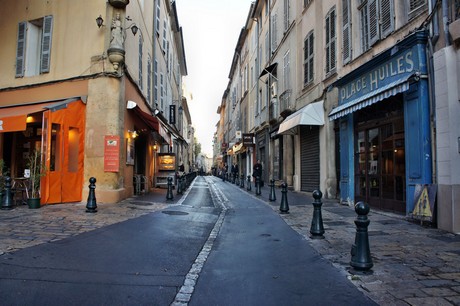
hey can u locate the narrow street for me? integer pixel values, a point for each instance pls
(237, 253)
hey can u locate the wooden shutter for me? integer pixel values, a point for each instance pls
(346, 35)
(387, 15)
(373, 21)
(46, 44)
(21, 49)
(140, 62)
(149, 80)
(274, 33)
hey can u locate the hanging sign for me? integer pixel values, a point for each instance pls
(111, 153)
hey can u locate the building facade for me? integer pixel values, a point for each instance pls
(357, 99)
(96, 86)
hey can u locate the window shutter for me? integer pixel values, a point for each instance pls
(274, 38)
(46, 44)
(333, 42)
(386, 9)
(373, 21)
(311, 57)
(346, 31)
(149, 79)
(415, 4)
(140, 63)
(21, 49)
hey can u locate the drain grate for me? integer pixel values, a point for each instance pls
(175, 212)
(141, 203)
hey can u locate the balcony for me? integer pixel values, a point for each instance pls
(286, 104)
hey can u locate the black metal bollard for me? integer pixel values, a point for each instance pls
(272, 196)
(317, 228)
(284, 206)
(183, 182)
(179, 185)
(7, 196)
(258, 192)
(169, 194)
(242, 181)
(249, 183)
(360, 253)
(91, 205)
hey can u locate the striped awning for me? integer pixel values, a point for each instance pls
(391, 89)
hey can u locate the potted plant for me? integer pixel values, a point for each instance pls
(37, 171)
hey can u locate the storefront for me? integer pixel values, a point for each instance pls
(57, 130)
(384, 128)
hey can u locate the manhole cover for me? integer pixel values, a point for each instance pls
(175, 212)
(141, 203)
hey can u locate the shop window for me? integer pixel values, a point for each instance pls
(56, 155)
(74, 141)
(34, 47)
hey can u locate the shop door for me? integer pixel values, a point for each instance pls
(309, 158)
(63, 132)
(380, 166)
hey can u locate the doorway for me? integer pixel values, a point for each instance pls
(380, 178)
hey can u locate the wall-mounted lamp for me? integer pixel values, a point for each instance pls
(156, 111)
(134, 28)
(132, 134)
(99, 21)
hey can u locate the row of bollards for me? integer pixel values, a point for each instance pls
(183, 182)
(361, 259)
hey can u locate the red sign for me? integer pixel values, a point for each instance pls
(111, 153)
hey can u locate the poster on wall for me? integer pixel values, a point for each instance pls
(111, 153)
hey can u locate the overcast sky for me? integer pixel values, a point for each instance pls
(210, 29)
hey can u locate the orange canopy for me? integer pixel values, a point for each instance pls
(14, 118)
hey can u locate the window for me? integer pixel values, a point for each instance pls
(287, 8)
(330, 41)
(287, 71)
(377, 21)
(346, 31)
(141, 81)
(267, 48)
(308, 58)
(34, 47)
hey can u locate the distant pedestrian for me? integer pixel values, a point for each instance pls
(257, 169)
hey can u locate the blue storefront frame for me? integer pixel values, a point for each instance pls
(400, 70)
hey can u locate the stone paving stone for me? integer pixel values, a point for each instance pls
(439, 291)
(428, 301)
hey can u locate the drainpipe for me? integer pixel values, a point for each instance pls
(445, 21)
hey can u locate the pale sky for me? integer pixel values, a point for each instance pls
(211, 29)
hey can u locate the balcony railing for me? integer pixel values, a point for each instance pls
(286, 104)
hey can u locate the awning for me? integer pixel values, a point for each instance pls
(311, 114)
(391, 89)
(270, 69)
(14, 118)
(152, 122)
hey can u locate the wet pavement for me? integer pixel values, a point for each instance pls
(413, 264)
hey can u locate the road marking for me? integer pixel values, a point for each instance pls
(185, 293)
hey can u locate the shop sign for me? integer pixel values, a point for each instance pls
(395, 68)
(248, 139)
(111, 153)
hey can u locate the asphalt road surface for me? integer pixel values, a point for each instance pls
(220, 246)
